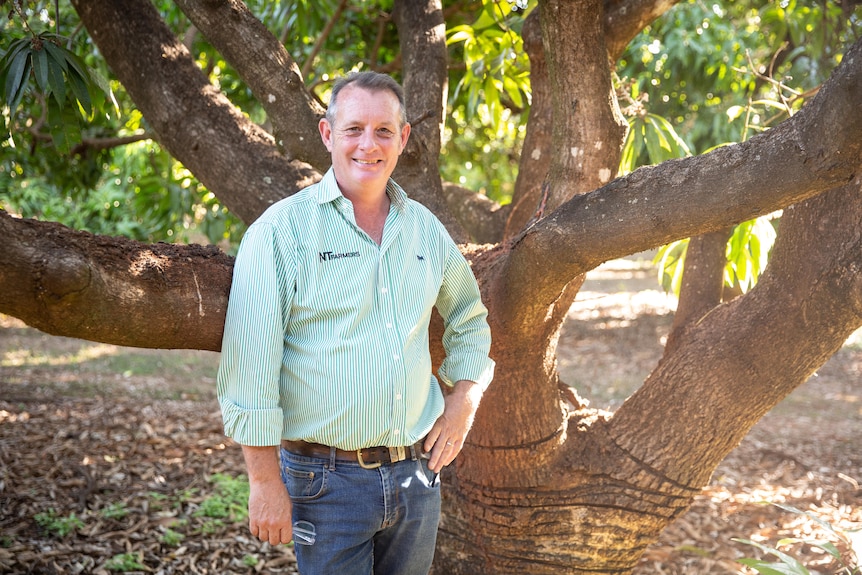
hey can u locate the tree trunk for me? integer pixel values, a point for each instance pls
(591, 496)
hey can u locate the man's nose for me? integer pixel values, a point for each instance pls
(367, 141)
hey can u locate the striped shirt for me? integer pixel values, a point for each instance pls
(326, 335)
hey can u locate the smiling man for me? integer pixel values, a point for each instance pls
(325, 376)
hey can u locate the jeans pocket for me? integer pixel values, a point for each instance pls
(433, 479)
(304, 480)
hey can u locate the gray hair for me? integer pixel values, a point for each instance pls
(371, 81)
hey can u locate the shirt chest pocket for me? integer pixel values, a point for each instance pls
(420, 282)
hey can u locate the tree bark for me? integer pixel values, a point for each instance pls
(702, 281)
(817, 149)
(603, 487)
(270, 72)
(422, 35)
(113, 290)
(536, 151)
(588, 128)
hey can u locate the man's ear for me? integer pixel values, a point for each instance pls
(405, 135)
(325, 129)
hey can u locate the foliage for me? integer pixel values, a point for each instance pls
(70, 172)
(787, 564)
(721, 73)
(125, 562)
(488, 107)
(57, 525)
(172, 538)
(115, 511)
(747, 252)
(228, 500)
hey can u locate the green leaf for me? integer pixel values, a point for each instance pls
(57, 81)
(64, 126)
(40, 68)
(16, 78)
(57, 54)
(56, 72)
(81, 91)
(14, 48)
(765, 568)
(789, 565)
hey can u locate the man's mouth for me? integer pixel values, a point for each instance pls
(366, 162)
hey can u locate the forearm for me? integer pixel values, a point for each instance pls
(262, 463)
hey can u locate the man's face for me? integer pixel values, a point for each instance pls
(365, 140)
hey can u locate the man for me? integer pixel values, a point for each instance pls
(325, 376)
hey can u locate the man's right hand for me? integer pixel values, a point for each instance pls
(269, 512)
(269, 509)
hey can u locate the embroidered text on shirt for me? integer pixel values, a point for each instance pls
(329, 256)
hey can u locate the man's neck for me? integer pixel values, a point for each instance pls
(371, 214)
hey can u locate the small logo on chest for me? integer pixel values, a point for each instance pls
(330, 256)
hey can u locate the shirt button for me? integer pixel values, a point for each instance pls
(398, 397)
(388, 326)
(396, 432)
(395, 357)
(384, 290)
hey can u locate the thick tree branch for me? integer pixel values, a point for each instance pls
(536, 152)
(702, 282)
(232, 156)
(816, 150)
(624, 19)
(588, 127)
(803, 309)
(112, 290)
(422, 36)
(270, 72)
(483, 217)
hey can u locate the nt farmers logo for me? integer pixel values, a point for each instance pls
(329, 256)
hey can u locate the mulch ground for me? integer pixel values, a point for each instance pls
(135, 482)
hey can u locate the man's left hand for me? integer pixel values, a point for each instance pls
(447, 437)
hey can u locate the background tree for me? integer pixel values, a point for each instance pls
(546, 484)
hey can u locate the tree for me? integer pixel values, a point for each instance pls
(545, 484)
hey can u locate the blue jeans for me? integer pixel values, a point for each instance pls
(354, 521)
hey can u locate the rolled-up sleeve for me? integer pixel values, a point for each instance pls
(467, 336)
(253, 341)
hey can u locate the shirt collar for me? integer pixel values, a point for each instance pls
(328, 191)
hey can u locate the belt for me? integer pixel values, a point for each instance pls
(368, 458)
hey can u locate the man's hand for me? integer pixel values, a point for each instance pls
(269, 512)
(269, 509)
(447, 437)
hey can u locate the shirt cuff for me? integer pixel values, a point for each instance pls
(481, 372)
(254, 427)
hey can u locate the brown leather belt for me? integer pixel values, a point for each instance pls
(369, 457)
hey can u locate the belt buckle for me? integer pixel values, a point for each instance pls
(364, 465)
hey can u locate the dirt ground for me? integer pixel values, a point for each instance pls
(113, 459)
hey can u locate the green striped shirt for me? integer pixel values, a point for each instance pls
(326, 335)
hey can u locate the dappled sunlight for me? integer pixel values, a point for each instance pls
(29, 358)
